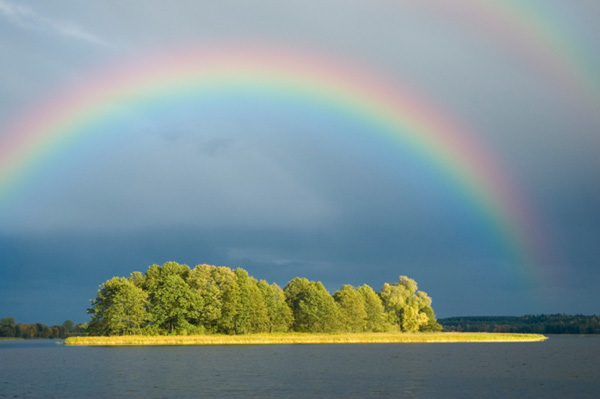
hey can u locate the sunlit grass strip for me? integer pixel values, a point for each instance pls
(9, 338)
(301, 338)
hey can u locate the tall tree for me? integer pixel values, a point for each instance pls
(280, 314)
(119, 308)
(313, 308)
(69, 326)
(375, 320)
(137, 278)
(201, 280)
(8, 328)
(229, 293)
(427, 310)
(353, 316)
(404, 305)
(172, 302)
(251, 315)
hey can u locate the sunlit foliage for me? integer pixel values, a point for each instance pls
(173, 299)
(406, 307)
(120, 308)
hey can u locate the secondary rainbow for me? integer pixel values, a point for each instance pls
(536, 31)
(537, 34)
(395, 113)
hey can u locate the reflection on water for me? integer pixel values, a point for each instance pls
(561, 367)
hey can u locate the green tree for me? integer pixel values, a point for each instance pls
(375, 319)
(69, 326)
(26, 330)
(8, 328)
(404, 305)
(137, 278)
(353, 316)
(313, 308)
(43, 331)
(427, 310)
(201, 280)
(229, 294)
(119, 308)
(251, 315)
(172, 302)
(280, 314)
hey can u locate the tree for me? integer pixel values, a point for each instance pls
(229, 294)
(375, 319)
(172, 303)
(313, 308)
(353, 316)
(69, 326)
(201, 281)
(26, 331)
(404, 305)
(8, 327)
(251, 315)
(137, 279)
(427, 310)
(280, 314)
(119, 308)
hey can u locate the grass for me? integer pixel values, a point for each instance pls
(301, 338)
(9, 338)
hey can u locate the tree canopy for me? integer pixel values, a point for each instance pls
(174, 299)
(528, 324)
(11, 329)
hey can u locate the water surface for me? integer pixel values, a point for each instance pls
(563, 366)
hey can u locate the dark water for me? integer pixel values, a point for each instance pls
(561, 367)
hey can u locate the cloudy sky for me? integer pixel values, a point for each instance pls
(284, 186)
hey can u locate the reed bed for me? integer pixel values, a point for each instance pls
(301, 338)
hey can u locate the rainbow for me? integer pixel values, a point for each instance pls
(394, 113)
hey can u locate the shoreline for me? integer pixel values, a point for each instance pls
(301, 338)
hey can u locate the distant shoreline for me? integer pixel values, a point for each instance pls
(301, 338)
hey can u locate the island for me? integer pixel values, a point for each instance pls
(174, 304)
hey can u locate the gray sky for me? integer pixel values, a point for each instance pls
(284, 190)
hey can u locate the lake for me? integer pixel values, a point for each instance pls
(561, 367)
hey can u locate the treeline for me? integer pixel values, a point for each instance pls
(537, 324)
(174, 299)
(10, 329)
